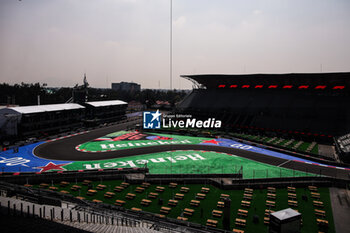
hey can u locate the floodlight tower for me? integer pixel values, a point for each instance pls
(171, 45)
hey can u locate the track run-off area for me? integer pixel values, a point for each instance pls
(112, 147)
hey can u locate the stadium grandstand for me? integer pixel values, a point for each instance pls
(38, 120)
(342, 145)
(31, 120)
(304, 105)
(104, 111)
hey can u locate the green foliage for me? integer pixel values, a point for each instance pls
(23, 93)
(26, 94)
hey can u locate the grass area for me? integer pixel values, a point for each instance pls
(315, 149)
(281, 142)
(204, 210)
(304, 146)
(103, 145)
(292, 145)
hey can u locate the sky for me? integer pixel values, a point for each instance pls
(57, 41)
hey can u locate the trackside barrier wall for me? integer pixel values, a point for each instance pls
(33, 178)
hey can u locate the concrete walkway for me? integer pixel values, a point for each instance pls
(341, 209)
(327, 151)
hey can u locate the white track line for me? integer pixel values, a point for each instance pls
(284, 163)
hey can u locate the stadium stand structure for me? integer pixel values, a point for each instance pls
(342, 145)
(40, 218)
(306, 105)
(31, 120)
(37, 120)
(104, 111)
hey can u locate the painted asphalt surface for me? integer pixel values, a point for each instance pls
(64, 150)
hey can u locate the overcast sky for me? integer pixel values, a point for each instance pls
(56, 41)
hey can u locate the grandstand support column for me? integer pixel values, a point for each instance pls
(171, 46)
(227, 214)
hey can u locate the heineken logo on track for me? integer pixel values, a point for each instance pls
(133, 139)
(141, 162)
(140, 144)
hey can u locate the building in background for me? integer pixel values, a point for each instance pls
(125, 86)
(135, 106)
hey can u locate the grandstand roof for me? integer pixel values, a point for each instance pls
(106, 103)
(215, 80)
(285, 214)
(46, 108)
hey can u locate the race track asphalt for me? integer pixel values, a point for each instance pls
(64, 149)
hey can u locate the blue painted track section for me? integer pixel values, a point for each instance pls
(24, 160)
